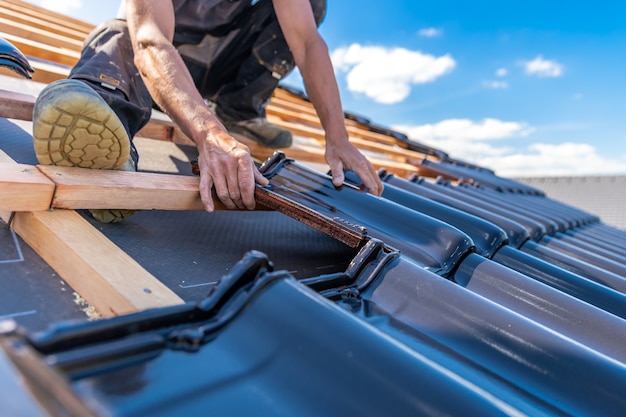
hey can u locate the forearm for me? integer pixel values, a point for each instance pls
(323, 91)
(172, 88)
(321, 86)
(151, 27)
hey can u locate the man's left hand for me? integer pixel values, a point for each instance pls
(345, 157)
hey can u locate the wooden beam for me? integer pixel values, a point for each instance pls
(45, 72)
(80, 188)
(18, 16)
(42, 50)
(292, 113)
(102, 273)
(24, 188)
(30, 188)
(160, 127)
(30, 10)
(28, 31)
(16, 105)
(307, 153)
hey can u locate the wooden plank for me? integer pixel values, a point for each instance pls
(31, 10)
(102, 273)
(304, 126)
(45, 72)
(42, 51)
(309, 152)
(16, 105)
(18, 16)
(160, 127)
(285, 100)
(44, 36)
(393, 159)
(29, 188)
(291, 112)
(291, 115)
(291, 107)
(24, 188)
(80, 188)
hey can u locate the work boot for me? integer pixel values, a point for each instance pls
(73, 126)
(261, 131)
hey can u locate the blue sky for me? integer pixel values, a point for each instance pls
(527, 88)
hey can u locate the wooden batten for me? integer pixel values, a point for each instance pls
(28, 31)
(97, 269)
(48, 52)
(19, 17)
(16, 105)
(24, 188)
(30, 188)
(32, 11)
(78, 188)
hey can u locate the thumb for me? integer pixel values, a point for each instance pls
(259, 178)
(337, 173)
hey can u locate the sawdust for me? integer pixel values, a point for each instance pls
(86, 308)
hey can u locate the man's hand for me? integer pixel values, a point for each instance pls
(344, 156)
(226, 166)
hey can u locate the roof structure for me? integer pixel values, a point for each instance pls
(599, 194)
(458, 292)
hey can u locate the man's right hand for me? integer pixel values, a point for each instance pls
(226, 165)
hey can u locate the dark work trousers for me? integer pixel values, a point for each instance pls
(237, 66)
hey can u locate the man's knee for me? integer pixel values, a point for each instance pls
(319, 10)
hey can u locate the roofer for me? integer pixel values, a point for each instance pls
(179, 56)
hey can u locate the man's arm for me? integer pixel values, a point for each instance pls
(311, 55)
(225, 164)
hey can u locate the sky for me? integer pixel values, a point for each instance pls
(526, 88)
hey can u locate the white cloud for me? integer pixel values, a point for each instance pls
(62, 6)
(430, 32)
(501, 72)
(543, 67)
(466, 139)
(477, 142)
(467, 130)
(387, 74)
(562, 159)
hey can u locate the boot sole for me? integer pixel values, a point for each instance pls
(74, 126)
